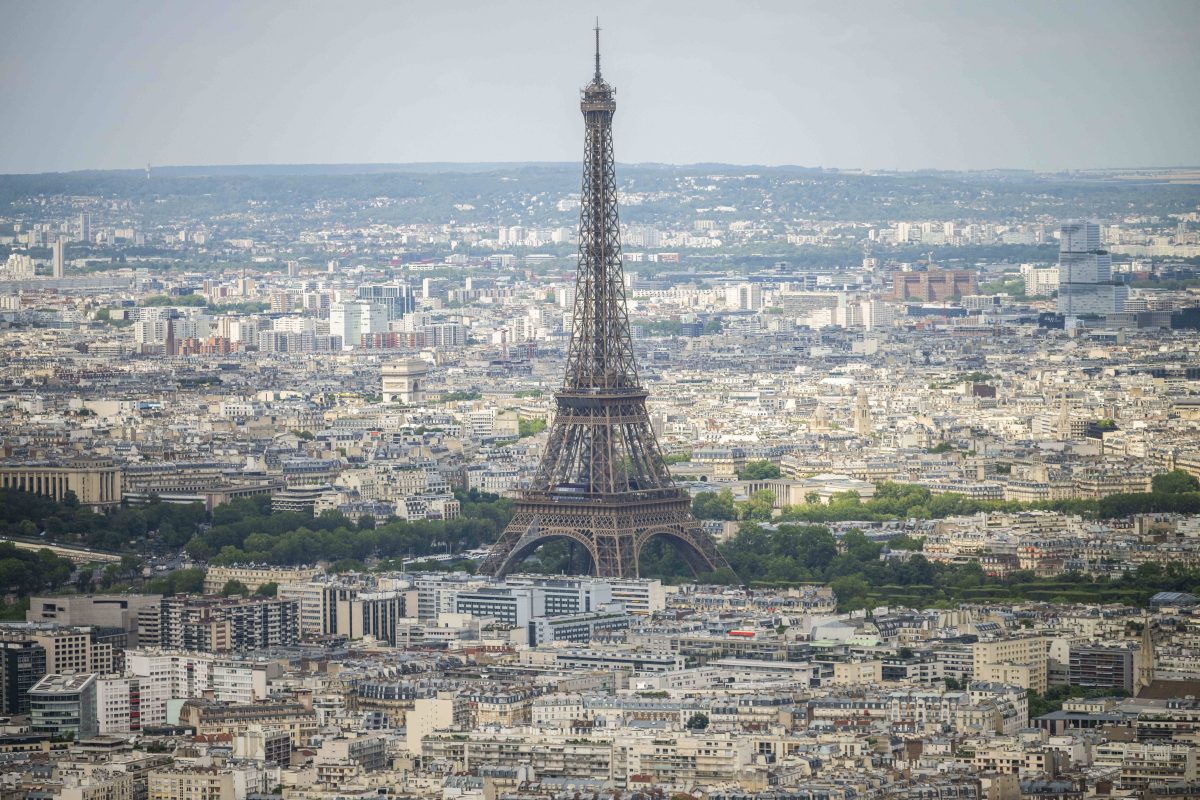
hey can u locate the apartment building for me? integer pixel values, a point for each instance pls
(219, 624)
(254, 576)
(209, 717)
(206, 783)
(1022, 662)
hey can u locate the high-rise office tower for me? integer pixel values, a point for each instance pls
(85, 227)
(602, 484)
(56, 250)
(1085, 285)
(397, 298)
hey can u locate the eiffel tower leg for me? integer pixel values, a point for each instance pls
(500, 552)
(692, 544)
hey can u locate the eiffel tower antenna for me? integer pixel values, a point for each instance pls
(597, 78)
(602, 483)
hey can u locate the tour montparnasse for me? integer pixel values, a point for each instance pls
(602, 483)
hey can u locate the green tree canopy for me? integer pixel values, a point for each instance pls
(759, 507)
(758, 471)
(714, 505)
(1177, 481)
(530, 427)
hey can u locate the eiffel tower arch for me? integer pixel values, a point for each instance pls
(602, 483)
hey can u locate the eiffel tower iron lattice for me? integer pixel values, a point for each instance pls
(602, 482)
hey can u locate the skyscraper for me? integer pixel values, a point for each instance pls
(1085, 285)
(85, 227)
(397, 298)
(56, 250)
(602, 485)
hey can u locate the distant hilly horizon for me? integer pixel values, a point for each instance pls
(469, 167)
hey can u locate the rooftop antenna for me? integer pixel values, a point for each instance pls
(597, 49)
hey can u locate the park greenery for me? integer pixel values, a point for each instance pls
(153, 528)
(769, 548)
(794, 554)
(1174, 492)
(247, 531)
(234, 587)
(193, 300)
(530, 427)
(456, 397)
(758, 471)
(181, 581)
(1055, 696)
(24, 571)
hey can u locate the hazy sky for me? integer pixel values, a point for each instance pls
(896, 85)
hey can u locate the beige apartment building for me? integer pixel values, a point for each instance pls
(255, 576)
(72, 650)
(1022, 662)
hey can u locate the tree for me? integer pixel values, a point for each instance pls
(83, 581)
(130, 564)
(758, 471)
(714, 505)
(852, 591)
(181, 581)
(859, 547)
(758, 507)
(270, 589)
(697, 721)
(906, 542)
(110, 574)
(530, 427)
(233, 587)
(1176, 481)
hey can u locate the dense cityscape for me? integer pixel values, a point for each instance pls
(717, 482)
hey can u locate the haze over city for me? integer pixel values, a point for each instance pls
(406, 401)
(901, 86)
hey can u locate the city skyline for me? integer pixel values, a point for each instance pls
(876, 87)
(615, 482)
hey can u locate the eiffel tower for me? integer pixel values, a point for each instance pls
(602, 483)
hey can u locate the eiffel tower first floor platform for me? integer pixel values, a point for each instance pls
(612, 529)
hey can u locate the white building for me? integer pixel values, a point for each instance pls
(744, 297)
(353, 319)
(113, 703)
(1039, 281)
